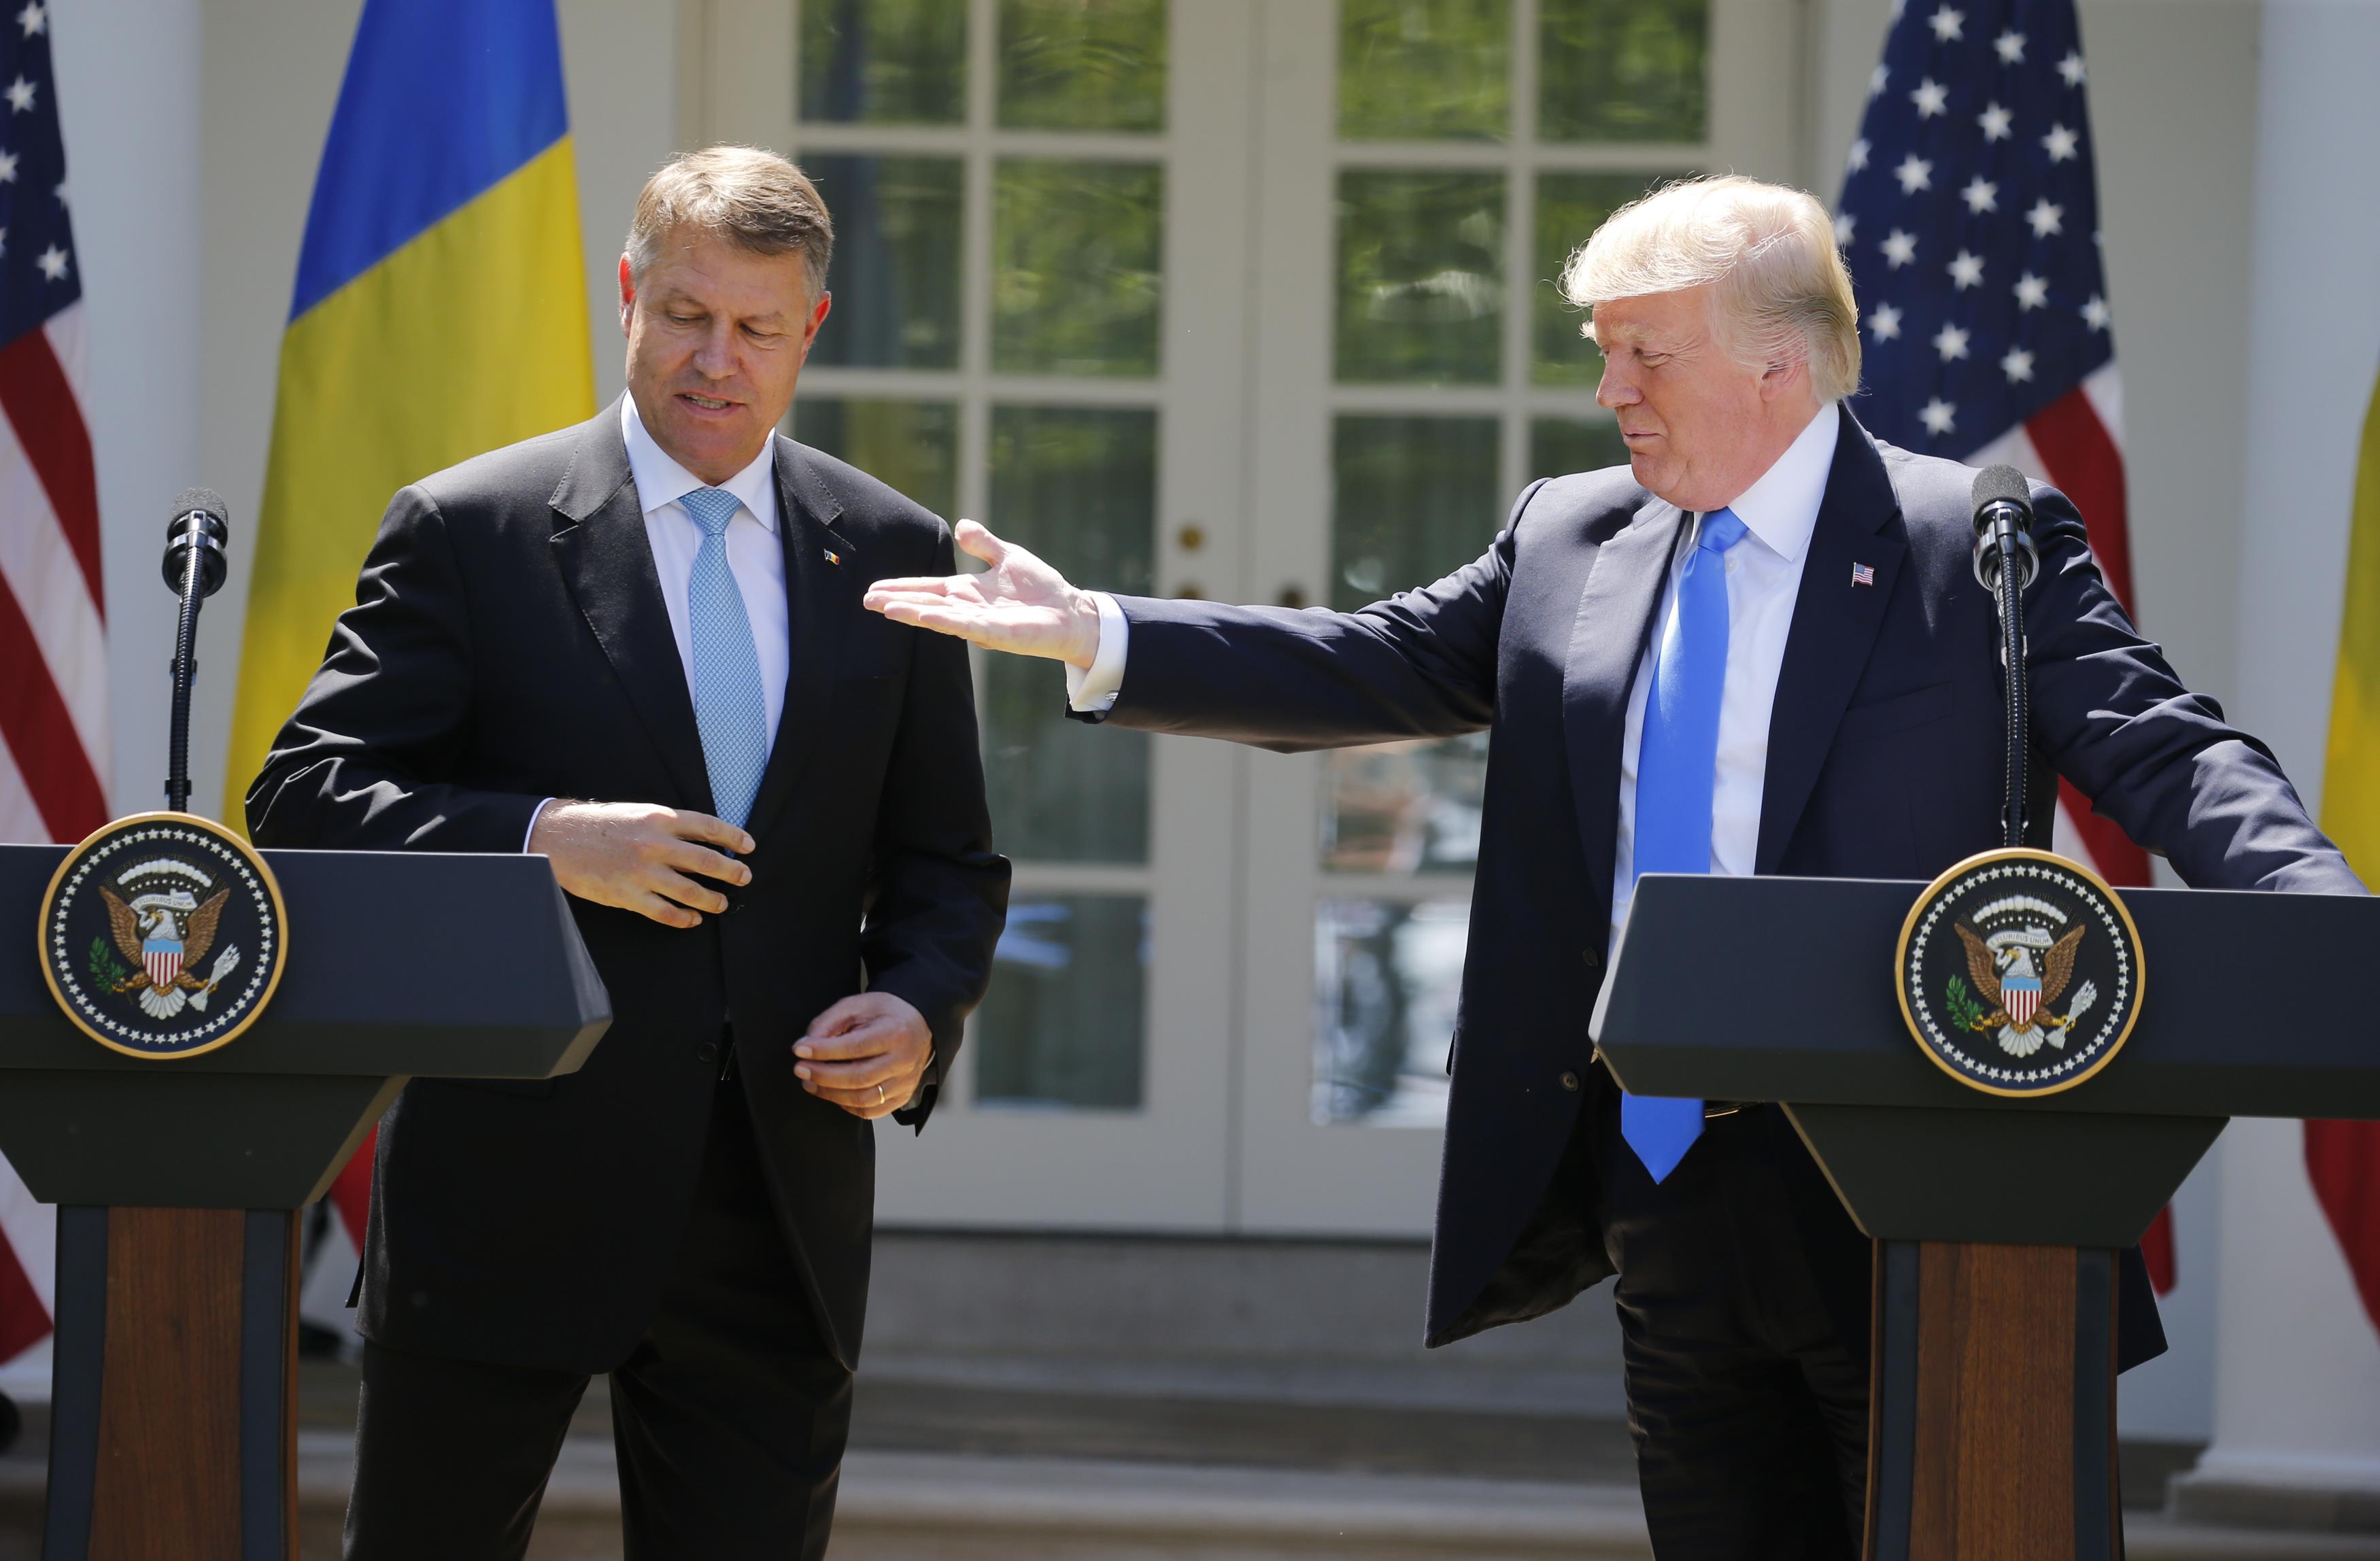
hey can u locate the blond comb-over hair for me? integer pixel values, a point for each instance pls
(1780, 291)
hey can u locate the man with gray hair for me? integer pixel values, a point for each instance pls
(636, 647)
(1756, 648)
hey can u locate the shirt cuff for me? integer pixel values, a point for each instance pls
(534, 815)
(1096, 690)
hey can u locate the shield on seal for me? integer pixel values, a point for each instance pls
(161, 957)
(2021, 995)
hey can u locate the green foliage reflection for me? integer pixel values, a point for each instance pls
(896, 277)
(1421, 268)
(1078, 252)
(1422, 70)
(1623, 70)
(883, 62)
(909, 445)
(1082, 65)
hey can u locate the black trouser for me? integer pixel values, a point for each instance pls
(729, 1417)
(1747, 1402)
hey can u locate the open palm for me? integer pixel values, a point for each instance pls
(1020, 604)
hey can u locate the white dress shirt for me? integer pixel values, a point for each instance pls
(1764, 576)
(755, 557)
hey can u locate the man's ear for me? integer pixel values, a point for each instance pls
(1780, 380)
(627, 294)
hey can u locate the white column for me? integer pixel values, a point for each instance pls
(2297, 1394)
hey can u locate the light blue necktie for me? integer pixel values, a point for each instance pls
(1675, 761)
(728, 708)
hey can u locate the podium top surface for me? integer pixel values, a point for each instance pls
(399, 962)
(1773, 988)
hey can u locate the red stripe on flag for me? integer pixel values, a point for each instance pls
(23, 1323)
(41, 405)
(2081, 459)
(2339, 1159)
(351, 1191)
(41, 734)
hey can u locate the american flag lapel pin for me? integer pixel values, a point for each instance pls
(1860, 574)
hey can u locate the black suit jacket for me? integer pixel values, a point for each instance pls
(1885, 757)
(508, 644)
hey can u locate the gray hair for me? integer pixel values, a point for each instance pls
(1781, 293)
(755, 199)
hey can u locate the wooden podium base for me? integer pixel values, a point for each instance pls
(1992, 1417)
(173, 1429)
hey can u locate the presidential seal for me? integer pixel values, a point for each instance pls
(162, 935)
(2020, 972)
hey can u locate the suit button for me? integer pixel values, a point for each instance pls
(1591, 958)
(706, 1052)
(1570, 1081)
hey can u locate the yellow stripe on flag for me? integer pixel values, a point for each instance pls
(472, 336)
(2350, 778)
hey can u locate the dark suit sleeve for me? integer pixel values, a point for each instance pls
(2115, 718)
(938, 894)
(360, 765)
(1420, 664)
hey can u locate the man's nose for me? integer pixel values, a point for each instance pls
(715, 359)
(1615, 389)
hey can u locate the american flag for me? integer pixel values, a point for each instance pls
(1969, 218)
(53, 611)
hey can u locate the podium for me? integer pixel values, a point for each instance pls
(178, 1180)
(1992, 1426)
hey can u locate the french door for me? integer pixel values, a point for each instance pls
(1242, 298)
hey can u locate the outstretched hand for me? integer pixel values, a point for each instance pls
(1020, 604)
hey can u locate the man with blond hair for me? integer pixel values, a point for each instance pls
(636, 647)
(1756, 648)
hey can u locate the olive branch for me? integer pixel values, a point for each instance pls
(106, 968)
(1966, 1010)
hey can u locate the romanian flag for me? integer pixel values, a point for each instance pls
(2343, 1159)
(440, 311)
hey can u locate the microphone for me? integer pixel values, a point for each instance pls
(202, 524)
(2003, 501)
(194, 571)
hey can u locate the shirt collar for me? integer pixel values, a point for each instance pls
(1782, 508)
(662, 481)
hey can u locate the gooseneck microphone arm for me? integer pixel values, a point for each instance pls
(2005, 564)
(194, 569)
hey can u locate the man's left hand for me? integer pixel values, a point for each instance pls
(867, 1054)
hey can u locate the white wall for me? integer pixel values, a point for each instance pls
(128, 95)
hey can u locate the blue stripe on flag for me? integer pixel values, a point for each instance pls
(442, 99)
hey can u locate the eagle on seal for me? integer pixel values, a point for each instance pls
(162, 936)
(2020, 972)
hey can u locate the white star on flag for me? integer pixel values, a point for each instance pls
(1993, 122)
(2032, 292)
(53, 262)
(1950, 342)
(2012, 47)
(2070, 67)
(2046, 219)
(1844, 225)
(2060, 143)
(1885, 323)
(1947, 24)
(2094, 312)
(20, 96)
(7, 167)
(1967, 271)
(1936, 416)
(1898, 248)
(1981, 195)
(1877, 77)
(1858, 158)
(4, 240)
(1931, 97)
(2017, 365)
(1914, 173)
(32, 18)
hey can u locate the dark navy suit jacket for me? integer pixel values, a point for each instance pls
(1885, 761)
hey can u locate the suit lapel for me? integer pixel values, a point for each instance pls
(821, 595)
(1835, 625)
(599, 545)
(1608, 638)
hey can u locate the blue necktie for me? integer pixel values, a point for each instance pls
(1675, 762)
(728, 709)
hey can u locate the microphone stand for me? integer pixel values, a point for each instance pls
(185, 668)
(2008, 589)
